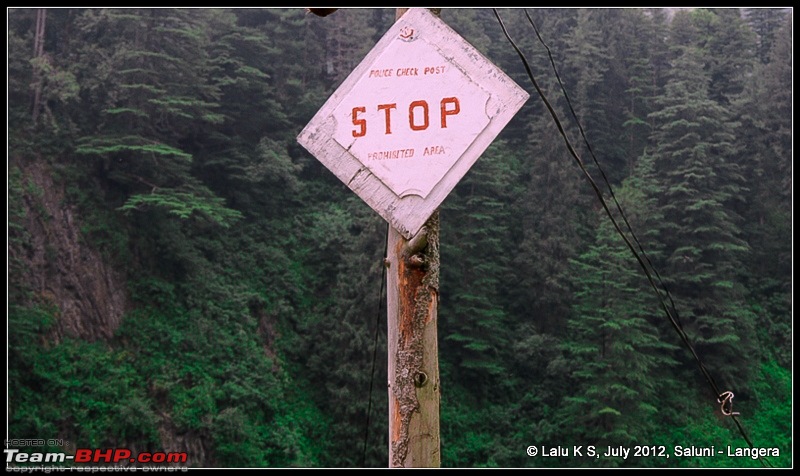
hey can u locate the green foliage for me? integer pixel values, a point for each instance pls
(111, 145)
(217, 380)
(765, 22)
(543, 286)
(476, 326)
(699, 184)
(768, 425)
(81, 391)
(616, 354)
(184, 205)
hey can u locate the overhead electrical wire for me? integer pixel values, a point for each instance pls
(722, 397)
(597, 164)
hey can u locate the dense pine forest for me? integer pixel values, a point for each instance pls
(184, 276)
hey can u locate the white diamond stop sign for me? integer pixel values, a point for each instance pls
(412, 118)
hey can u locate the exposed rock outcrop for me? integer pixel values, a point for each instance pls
(62, 269)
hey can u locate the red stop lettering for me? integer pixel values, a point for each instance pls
(418, 115)
(362, 123)
(411, 107)
(388, 108)
(449, 112)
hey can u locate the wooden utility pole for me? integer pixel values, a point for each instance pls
(412, 299)
(414, 391)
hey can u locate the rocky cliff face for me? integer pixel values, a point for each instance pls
(61, 269)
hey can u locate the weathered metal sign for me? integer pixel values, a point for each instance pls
(412, 118)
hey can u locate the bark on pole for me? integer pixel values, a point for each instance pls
(414, 391)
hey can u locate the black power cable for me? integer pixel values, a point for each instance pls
(602, 172)
(375, 345)
(678, 328)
